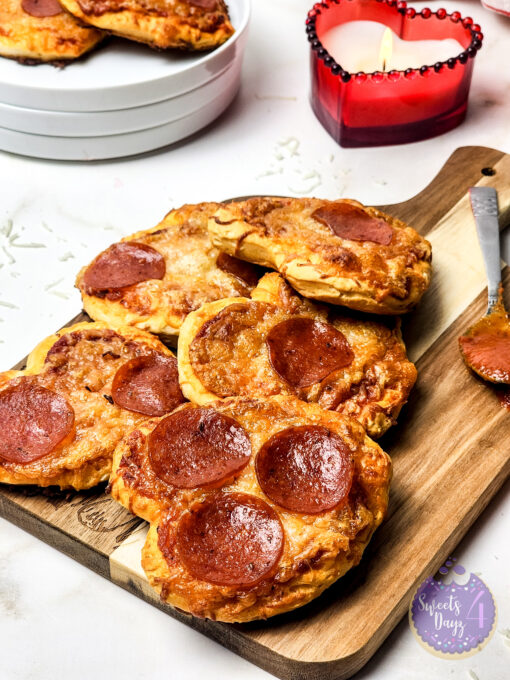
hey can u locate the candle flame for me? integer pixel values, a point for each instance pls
(386, 48)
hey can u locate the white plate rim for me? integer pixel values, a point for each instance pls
(116, 146)
(137, 93)
(109, 123)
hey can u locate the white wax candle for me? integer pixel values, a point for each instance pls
(356, 47)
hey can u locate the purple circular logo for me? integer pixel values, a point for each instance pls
(454, 614)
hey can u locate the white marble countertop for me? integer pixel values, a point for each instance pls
(58, 619)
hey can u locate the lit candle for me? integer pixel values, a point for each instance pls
(366, 94)
(370, 46)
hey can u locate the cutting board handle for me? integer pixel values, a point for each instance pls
(467, 166)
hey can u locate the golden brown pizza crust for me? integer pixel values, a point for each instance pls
(81, 368)
(192, 276)
(133, 482)
(33, 39)
(223, 352)
(199, 25)
(283, 234)
(317, 548)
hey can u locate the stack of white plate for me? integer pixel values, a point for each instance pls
(122, 99)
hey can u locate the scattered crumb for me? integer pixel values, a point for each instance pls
(51, 285)
(9, 305)
(473, 675)
(490, 103)
(10, 596)
(316, 182)
(9, 256)
(27, 245)
(7, 228)
(269, 172)
(45, 226)
(303, 173)
(59, 294)
(266, 97)
(312, 174)
(66, 256)
(291, 144)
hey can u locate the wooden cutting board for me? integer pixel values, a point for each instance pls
(450, 453)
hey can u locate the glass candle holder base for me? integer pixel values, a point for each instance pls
(389, 134)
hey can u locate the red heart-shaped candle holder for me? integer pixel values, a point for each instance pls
(395, 107)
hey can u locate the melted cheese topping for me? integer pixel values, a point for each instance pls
(317, 548)
(80, 366)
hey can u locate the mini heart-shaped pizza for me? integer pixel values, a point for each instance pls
(83, 388)
(335, 251)
(279, 343)
(34, 31)
(256, 506)
(183, 24)
(154, 278)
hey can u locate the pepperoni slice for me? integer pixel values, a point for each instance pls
(305, 469)
(244, 271)
(198, 447)
(304, 351)
(148, 384)
(124, 264)
(353, 223)
(33, 421)
(41, 8)
(231, 539)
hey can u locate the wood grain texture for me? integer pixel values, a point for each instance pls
(449, 454)
(463, 169)
(87, 526)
